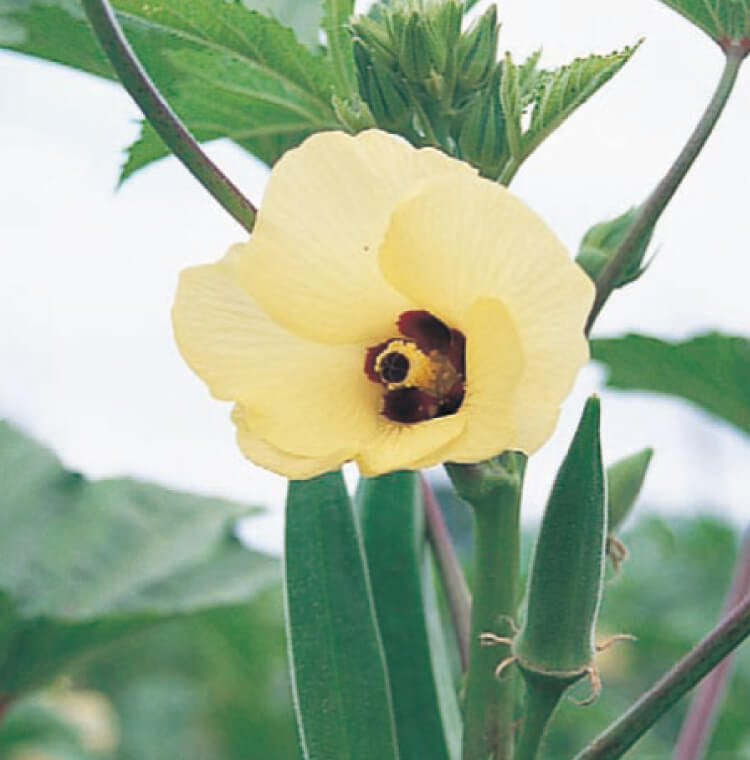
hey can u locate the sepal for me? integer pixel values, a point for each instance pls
(600, 243)
(477, 52)
(482, 140)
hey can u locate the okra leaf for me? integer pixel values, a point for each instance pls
(710, 370)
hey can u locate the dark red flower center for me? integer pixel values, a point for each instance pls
(423, 371)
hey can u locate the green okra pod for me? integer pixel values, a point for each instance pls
(565, 586)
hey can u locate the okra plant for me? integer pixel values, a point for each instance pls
(395, 305)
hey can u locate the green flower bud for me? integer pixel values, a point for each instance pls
(477, 52)
(600, 243)
(414, 52)
(624, 482)
(376, 38)
(481, 140)
(436, 46)
(380, 87)
(395, 22)
(556, 641)
(446, 19)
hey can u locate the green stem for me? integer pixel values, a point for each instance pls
(703, 658)
(541, 701)
(161, 117)
(489, 703)
(509, 171)
(655, 204)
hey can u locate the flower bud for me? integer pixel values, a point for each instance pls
(446, 19)
(376, 38)
(600, 243)
(381, 89)
(477, 52)
(481, 140)
(556, 640)
(414, 51)
(624, 482)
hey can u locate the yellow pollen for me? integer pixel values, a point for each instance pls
(432, 373)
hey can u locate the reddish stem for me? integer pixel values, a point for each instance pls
(699, 722)
(4, 705)
(454, 583)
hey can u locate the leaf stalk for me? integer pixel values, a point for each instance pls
(655, 204)
(160, 115)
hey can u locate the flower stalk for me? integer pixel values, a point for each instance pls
(709, 652)
(161, 117)
(540, 704)
(651, 210)
(493, 489)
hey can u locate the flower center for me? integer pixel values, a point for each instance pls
(423, 372)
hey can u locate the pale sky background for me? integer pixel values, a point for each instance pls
(88, 274)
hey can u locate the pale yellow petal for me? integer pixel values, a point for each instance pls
(311, 261)
(451, 244)
(494, 366)
(455, 241)
(408, 447)
(307, 398)
(276, 460)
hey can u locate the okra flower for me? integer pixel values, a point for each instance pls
(391, 307)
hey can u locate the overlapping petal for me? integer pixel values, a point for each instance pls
(277, 460)
(453, 243)
(307, 398)
(312, 260)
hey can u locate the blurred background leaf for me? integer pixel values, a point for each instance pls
(711, 370)
(209, 685)
(84, 562)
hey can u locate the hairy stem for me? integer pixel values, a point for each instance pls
(454, 583)
(655, 204)
(699, 722)
(630, 726)
(509, 171)
(490, 702)
(541, 701)
(161, 117)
